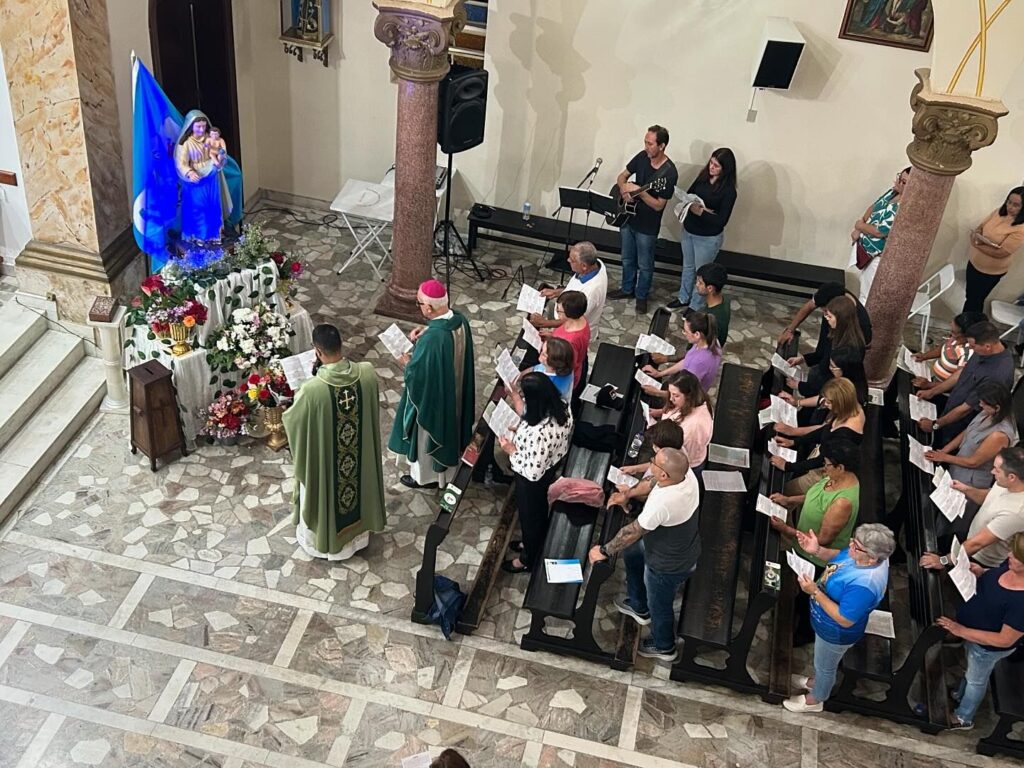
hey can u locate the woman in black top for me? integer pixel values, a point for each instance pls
(844, 331)
(704, 225)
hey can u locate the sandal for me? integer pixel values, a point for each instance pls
(508, 567)
(516, 545)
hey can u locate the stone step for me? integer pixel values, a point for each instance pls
(44, 436)
(19, 330)
(40, 369)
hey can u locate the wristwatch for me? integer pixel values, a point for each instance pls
(603, 551)
(943, 561)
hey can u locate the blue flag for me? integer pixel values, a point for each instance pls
(156, 124)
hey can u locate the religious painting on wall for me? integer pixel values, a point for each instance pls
(899, 23)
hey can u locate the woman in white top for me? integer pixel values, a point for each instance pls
(539, 444)
(690, 407)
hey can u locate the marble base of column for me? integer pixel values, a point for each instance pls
(415, 201)
(901, 270)
(73, 276)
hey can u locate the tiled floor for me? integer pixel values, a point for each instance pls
(169, 619)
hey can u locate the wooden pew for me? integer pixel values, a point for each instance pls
(571, 531)
(925, 606)
(705, 623)
(437, 532)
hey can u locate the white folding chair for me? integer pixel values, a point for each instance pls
(928, 292)
(1005, 313)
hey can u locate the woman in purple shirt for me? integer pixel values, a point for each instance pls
(704, 357)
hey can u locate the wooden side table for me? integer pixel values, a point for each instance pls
(155, 420)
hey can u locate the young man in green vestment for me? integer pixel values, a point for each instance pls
(333, 429)
(435, 416)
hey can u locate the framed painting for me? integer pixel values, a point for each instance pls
(899, 23)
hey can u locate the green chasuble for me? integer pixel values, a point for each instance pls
(333, 429)
(439, 395)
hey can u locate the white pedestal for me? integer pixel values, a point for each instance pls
(116, 400)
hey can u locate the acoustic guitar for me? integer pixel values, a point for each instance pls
(626, 205)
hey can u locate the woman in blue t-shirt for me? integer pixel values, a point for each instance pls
(850, 588)
(992, 624)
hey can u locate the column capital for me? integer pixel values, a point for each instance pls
(948, 128)
(418, 35)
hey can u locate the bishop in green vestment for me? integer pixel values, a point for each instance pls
(435, 416)
(333, 429)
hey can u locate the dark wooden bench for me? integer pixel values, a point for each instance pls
(925, 604)
(544, 234)
(705, 623)
(571, 530)
(437, 532)
(1008, 702)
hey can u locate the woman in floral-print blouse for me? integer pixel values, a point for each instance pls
(871, 231)
(540, 443)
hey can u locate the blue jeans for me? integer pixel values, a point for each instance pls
(697, 251)
(637, 249)
(654, 592)
(826, 663)
(980, 662)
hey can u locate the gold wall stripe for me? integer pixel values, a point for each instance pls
(974, 46)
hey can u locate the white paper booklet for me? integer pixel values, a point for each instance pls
(682, 208)
(646, 409)
(880, 623)
(783, 412)
(787, 454)
(965, 581)
(725, 454)
(768, 507)
(617, 477)
(951, 502)
(563, 571)
(917, 456)
(801, 566)
(502, 419)
(876, 396)
(790, 371)
(531, 335)
(651, 343)
(647, 380)
(298, 368)
(506, 368)
(530, 300)
(906, 361)
(727, 482)
(396, 342)
(589, 394)
(922, 409)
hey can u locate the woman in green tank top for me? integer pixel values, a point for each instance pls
(829, 508)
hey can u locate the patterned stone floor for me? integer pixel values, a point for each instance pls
(169, 619)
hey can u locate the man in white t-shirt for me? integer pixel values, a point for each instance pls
(1001, 514)
(590, 277)
(660, 550)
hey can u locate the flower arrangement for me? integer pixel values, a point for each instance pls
(267, 389)
(225, 417)
(252, 338)
(289, 268)
(163, 303)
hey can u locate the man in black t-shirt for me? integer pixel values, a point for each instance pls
(640, 234)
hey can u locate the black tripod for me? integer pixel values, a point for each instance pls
(448, 227)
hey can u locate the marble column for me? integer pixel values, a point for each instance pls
(57, 54)
(418, 35)
(947, 129)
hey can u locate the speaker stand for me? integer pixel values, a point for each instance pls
(518, 276)
(450, 229)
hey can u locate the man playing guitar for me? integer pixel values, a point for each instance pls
(640, 233)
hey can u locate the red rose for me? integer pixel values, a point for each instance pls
(296, 268)
(264, 394)
(254, 379)
(137, 301)
(278, 257)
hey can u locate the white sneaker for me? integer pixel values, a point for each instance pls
(799, 682)
(799, 704)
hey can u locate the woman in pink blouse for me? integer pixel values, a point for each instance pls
(993, 244)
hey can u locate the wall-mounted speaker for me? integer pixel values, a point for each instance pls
(461, 109)
(778, 54)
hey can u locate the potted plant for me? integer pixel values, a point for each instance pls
(225, 419)
(289, 269)
(268, 390)
(249, 341)
(169, 310)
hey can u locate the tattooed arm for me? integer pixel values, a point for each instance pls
(628, 534)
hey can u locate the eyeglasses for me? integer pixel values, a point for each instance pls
(856, 546)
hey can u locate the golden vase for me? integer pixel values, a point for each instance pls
(276, 437)
(180, 337)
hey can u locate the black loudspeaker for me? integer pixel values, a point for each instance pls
(461, 109)
(781, 46)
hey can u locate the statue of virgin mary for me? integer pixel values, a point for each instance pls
(205, 198)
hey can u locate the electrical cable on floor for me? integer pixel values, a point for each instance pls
(55, 322)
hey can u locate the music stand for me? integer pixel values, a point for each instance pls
(575, 199)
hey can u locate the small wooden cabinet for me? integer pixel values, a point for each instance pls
(155, 421)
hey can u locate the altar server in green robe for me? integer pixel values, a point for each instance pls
(435, 416)
(333, 429)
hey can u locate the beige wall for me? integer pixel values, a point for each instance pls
(578, 79)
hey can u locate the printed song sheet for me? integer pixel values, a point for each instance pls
(917, 456)
(907, 362)
(783, 412)
(725, 454)
(506, 368)
(799, 565)
(617, 477)
(922, 409)
(951, 502)
(880, 623)
(396, 342)
(786, 454)
(646, 380)
(651, 343)
(502, 419)
(768, 507)
(965, 581)
(298, 368)
(789, 371)
(531, 335)
(589, 394)
(530, 300)
(726, 482)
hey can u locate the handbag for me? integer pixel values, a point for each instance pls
(863, 257)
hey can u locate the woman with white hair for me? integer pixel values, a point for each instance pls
(850, 588)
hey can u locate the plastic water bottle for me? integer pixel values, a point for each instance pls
(634, 446)
(526, 211)
(489, 476)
